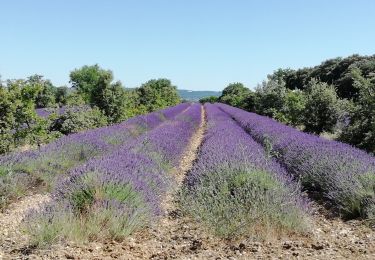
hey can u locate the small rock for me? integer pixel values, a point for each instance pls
(196, 245)
(317, 246)
(287, 245)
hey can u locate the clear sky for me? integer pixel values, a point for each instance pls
(198, 44)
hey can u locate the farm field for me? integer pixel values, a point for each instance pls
(190, 181)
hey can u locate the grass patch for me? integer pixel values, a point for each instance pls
(243, 202)
(41, 172)
(13, 185)
(94, 210)
(101, 222)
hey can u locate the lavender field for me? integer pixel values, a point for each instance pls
(250, 177)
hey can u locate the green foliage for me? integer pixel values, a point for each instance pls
(27, 126)
(74, 99)
(94, 101)
(111, 99)
(133, 103)
(336, 72)
(322, 107)
(211, 99)
(157, 94)
(235, 94)
(335, 97)
(95, 86)
(293, 108)
(361, 125)
(7, 120)
(61, 95)
(269, 98)
(46, 94)
(76, 119)
(86, 80)
(19, 123)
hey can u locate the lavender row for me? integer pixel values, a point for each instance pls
(46, 112)
(19, 171)
(235, 188)
(342, 174)
(96, 141)
(127, 183)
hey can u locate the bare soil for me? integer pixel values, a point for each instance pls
(178, 237)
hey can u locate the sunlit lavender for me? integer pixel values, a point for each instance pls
(234, 187)
(129, 181)
(341, 174)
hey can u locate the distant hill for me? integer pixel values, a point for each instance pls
(193, 95)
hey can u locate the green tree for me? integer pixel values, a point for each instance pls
(95, 86)
(111, 99)
(27, 127)
(86, 80)
(361, 123)
(157, 94)
(7, 120)
(269, 98)
(294, 107)
(74, 99)
(322, 107)
(235, 95)
(336, 72)
(210, 99)
(280, 75)
(78, 118)
(133, 104)
(24, 95)
(46, 91)
(61, 95)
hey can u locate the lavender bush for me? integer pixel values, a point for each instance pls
(113, 195)
(235, 189)
(43, 166)
(46, 112)
(341, 174)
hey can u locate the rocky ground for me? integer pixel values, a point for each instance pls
(178, 237)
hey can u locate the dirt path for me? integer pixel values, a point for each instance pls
(10, 233)
(178, 237)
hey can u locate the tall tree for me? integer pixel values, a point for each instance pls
(86, 80)
(235, 94)
(95, 85)
(7, 120)
(61, 95)
(157, 94)
(46, 94)
(361, 124)
(322, 107)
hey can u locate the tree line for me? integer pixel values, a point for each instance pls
(335, 98)
(94, 100)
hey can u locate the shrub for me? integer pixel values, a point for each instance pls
(79, 118)
(322, 108)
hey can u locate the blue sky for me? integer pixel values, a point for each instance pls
(199, 45)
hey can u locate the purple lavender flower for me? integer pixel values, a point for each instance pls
(54, 160)
(342, 174)
(132, 178)
(234, 184)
